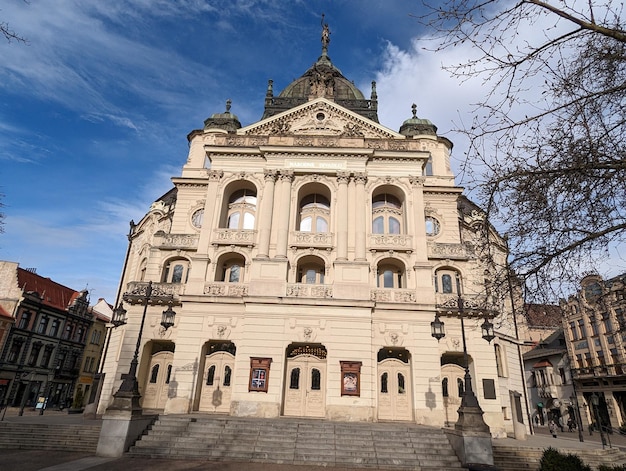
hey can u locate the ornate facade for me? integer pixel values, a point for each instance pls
(308, 253)
(594, 323)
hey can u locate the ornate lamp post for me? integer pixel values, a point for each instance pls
(127, 396)
(595, 401)
(470, 412)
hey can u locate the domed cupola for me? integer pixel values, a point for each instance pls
(416, 126)
(323, 79)
(226, 121)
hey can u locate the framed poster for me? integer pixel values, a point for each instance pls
(350, 378)
(259, 374)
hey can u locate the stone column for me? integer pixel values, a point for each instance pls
(265, 216)
(286, 177)
(361, 230)
(342, 215)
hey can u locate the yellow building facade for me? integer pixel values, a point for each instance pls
(307, 254)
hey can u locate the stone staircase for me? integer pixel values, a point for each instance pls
(511, 458)
(21, 436)
(299, 442)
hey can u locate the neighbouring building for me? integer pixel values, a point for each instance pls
(307, 255)
(595, 331)
(94, 346)
(547, 367)
(43, 351)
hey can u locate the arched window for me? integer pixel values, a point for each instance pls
(142, 269)
(316, 379)
(175, 271)
(227, 373)
(294, 380)
(311, 270)
(314, 213)
(444, 387)
(390, 274)
(460, 386)
(242, 209)
(210, 375)
(384, 379)
(54, 329)
(401, 388)
(231, 269)
(387, 214)
(154, 374)
(499, 363)
(169, 374)
(447, 281)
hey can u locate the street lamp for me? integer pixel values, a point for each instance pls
(595, 401)
(470, 413)
(129, 389)
(577, 418)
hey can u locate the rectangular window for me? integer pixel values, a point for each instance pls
(579, 361)
(43, 325)
(489, 388)
(45, 358)
(562, 375)
(572, 327)
(24, 320)
(581, 327)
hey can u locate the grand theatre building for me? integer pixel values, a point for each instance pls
(305, 256)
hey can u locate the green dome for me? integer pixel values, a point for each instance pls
(227, 121)
(415, 126)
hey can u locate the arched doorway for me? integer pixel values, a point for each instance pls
(159, 374)
(217, 377)
(453, 387)
(305, 381)
(394, 384)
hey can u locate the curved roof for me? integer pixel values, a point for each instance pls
(322, 79)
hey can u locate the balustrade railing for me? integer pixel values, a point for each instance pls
(393, 295)
(226, 289)
(304, 290)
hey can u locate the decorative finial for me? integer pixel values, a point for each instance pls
(228, 103)
(325, 36)
(414, 108)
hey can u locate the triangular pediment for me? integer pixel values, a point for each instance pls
(320, 117)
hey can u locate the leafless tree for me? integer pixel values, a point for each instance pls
(547, 149)
(9, 34)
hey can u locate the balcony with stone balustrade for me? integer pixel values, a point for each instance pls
(390, 295)
(395, 242)
(234, 290)
(242, 237)
(318, 240)
(303, 290)
(176, 241)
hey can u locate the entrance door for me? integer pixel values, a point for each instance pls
(157, 386)
(453, 387)
(216, 383)
(305, 387)
(394, 390)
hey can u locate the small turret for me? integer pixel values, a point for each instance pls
(416, 126)
(226, 121)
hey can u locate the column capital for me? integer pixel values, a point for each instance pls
(270, 175)
(416, 181)
(343, 177)
(360, 178)
(286, 175)
(216, 175)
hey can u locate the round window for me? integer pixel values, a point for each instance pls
(320, 116)
(432, 226)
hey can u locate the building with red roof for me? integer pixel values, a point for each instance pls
(43, 349)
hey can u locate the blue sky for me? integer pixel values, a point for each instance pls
(95, 109)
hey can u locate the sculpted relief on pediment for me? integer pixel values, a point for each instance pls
(319, 119)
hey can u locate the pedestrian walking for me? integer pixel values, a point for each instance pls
(553, 428)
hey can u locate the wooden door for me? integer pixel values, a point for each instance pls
(305, 387)
(157, 384)
(394, 390)
(216, 383)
